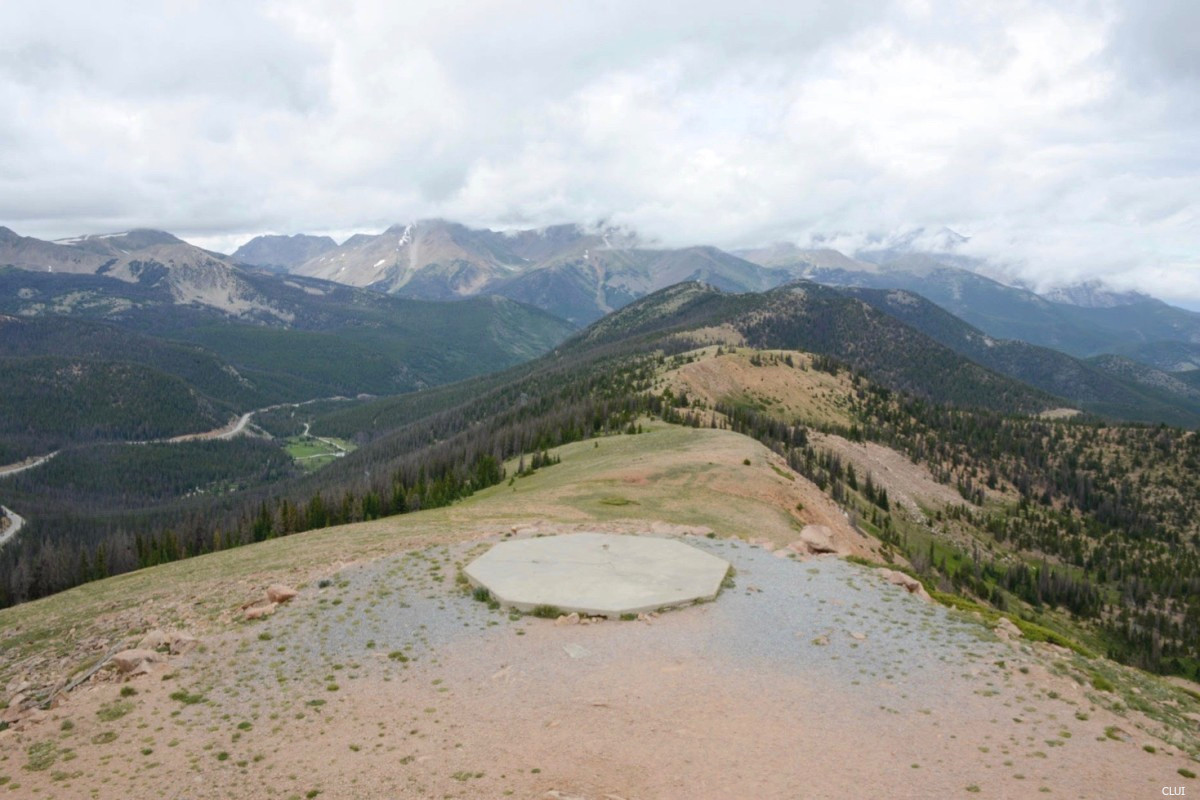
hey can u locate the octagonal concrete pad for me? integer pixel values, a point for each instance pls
(598, 573)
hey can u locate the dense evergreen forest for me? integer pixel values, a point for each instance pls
(49, 402)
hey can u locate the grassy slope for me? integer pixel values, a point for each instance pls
(691, 477)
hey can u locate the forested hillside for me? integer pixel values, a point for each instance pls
(49, 402)
(1104, 385)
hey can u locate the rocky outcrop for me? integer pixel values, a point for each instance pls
(279, 593)
(910, 584)
(127, 661)
(258, 612)
(1006, 629)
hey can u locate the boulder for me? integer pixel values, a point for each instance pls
(11, 714)
(910, 584)
(258, 612)
(154, 640)
(814, 540)
(279, 593)
(568, 619)
(1006, 629)
(128, 660)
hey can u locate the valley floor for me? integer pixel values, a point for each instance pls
(384, 678)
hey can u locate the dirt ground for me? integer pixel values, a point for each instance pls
(806, 679)
(384, 678)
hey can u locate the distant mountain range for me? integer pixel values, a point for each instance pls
(1119, 353)
(576, 273)
(581, 274)
(1083, 320)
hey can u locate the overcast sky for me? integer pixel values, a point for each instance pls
(1063, 138)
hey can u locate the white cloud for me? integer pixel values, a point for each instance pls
(1060, 137)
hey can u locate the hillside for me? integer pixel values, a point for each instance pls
(820, 320)
(324, 338)
(384, 676)
(1001, 311)
(1031, 489)
(50, 402)
(1106, 385)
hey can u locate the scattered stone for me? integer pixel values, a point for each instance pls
(279, 593)
(821, 641)
(568, 619)
(128, 660)
(859, 635)
(554, 794)
(258, 612)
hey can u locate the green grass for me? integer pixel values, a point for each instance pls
(41, 755)
(114, 710)
(187, 698)
(546, 612)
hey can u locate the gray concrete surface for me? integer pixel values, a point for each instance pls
(597, 573)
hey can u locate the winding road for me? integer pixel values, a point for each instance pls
(227, 431)
(29, 463)
(15, 523)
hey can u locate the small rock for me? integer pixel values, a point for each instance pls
(859, 635)
(821, 641)
(554, 794)
(258, 612)
(278, 593)
(128, 660)
(567, 619)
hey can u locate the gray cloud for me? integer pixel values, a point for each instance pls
(1059, 137)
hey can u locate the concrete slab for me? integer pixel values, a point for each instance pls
(600, 574)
